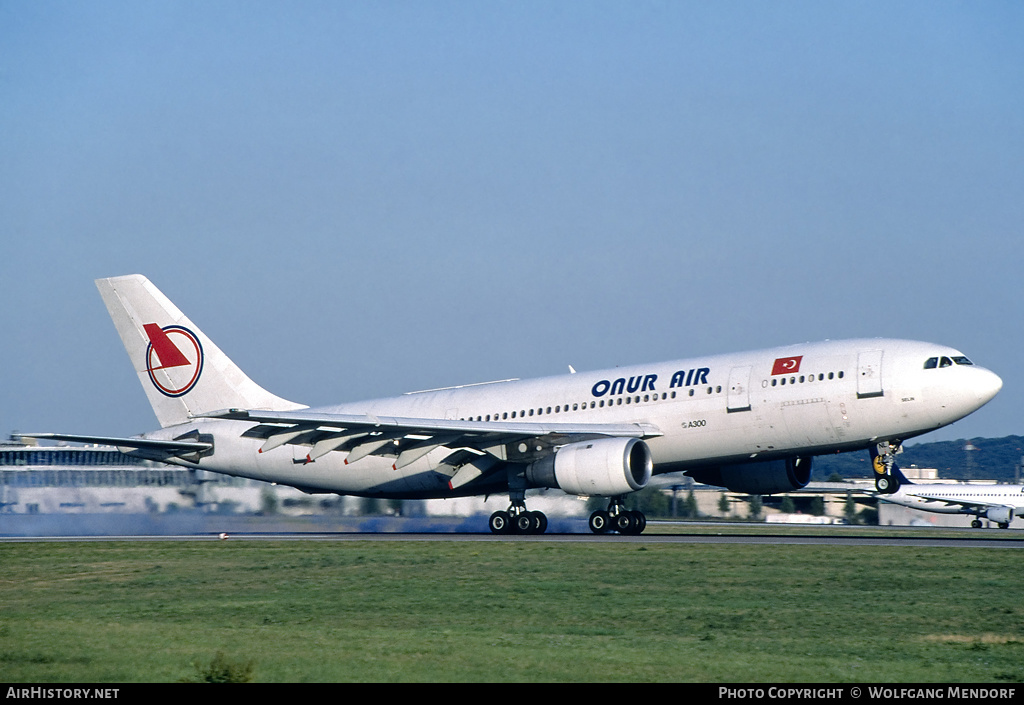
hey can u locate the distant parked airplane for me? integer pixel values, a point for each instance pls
(750, 422)
(998, 503)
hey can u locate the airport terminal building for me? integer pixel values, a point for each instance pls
(101, 479)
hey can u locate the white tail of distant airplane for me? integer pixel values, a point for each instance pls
(751, 422)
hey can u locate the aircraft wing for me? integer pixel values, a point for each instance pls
(412, 438)
(965, 502)
(151, 449)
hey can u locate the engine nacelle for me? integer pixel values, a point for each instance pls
(604, 467)
(766, 477)
(1000, 515)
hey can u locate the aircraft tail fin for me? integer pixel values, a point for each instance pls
(182, 371)
(900, 477)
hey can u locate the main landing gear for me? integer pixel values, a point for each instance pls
(883, 461)
(517, 520)
(976, 524)
(618, 518)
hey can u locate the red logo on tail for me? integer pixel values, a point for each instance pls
(176, 353)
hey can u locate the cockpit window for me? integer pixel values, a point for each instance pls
(932, 362)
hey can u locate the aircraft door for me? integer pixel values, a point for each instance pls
(869, 374)
(739, 390)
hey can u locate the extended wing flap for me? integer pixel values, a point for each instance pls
(471, 471)
(331, 442)
(411, 438)
(368, 448)
(281, 438)
(418, 450)
(488, 429)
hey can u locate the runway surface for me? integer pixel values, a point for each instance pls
(649, 539)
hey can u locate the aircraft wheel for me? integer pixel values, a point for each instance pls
(641, 522)
(886, 484)
(1004, 525)
(500, 523)
(600, 522)
(975, 523)
(636, 521)
(540, 522)
(624, 523)
(523, 523)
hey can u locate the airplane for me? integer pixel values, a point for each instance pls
(998, 503)
(750, 422)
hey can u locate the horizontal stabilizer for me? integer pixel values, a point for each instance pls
(142, 447)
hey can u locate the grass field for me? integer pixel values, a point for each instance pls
(509, 611)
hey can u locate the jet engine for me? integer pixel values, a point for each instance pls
(766, 477)
(1000, 515)
(604, 467)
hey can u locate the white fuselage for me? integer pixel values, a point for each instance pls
(958, 498)
(801, 400)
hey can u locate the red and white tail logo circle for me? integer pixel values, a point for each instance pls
(174, 359)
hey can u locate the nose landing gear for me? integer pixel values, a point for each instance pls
(883, 461)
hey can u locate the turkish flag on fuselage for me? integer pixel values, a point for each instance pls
(785, 365)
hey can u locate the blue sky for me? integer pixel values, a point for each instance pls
(356, 199)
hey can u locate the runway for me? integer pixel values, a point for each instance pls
(644, 539)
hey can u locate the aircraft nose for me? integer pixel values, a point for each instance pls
(987, 385)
